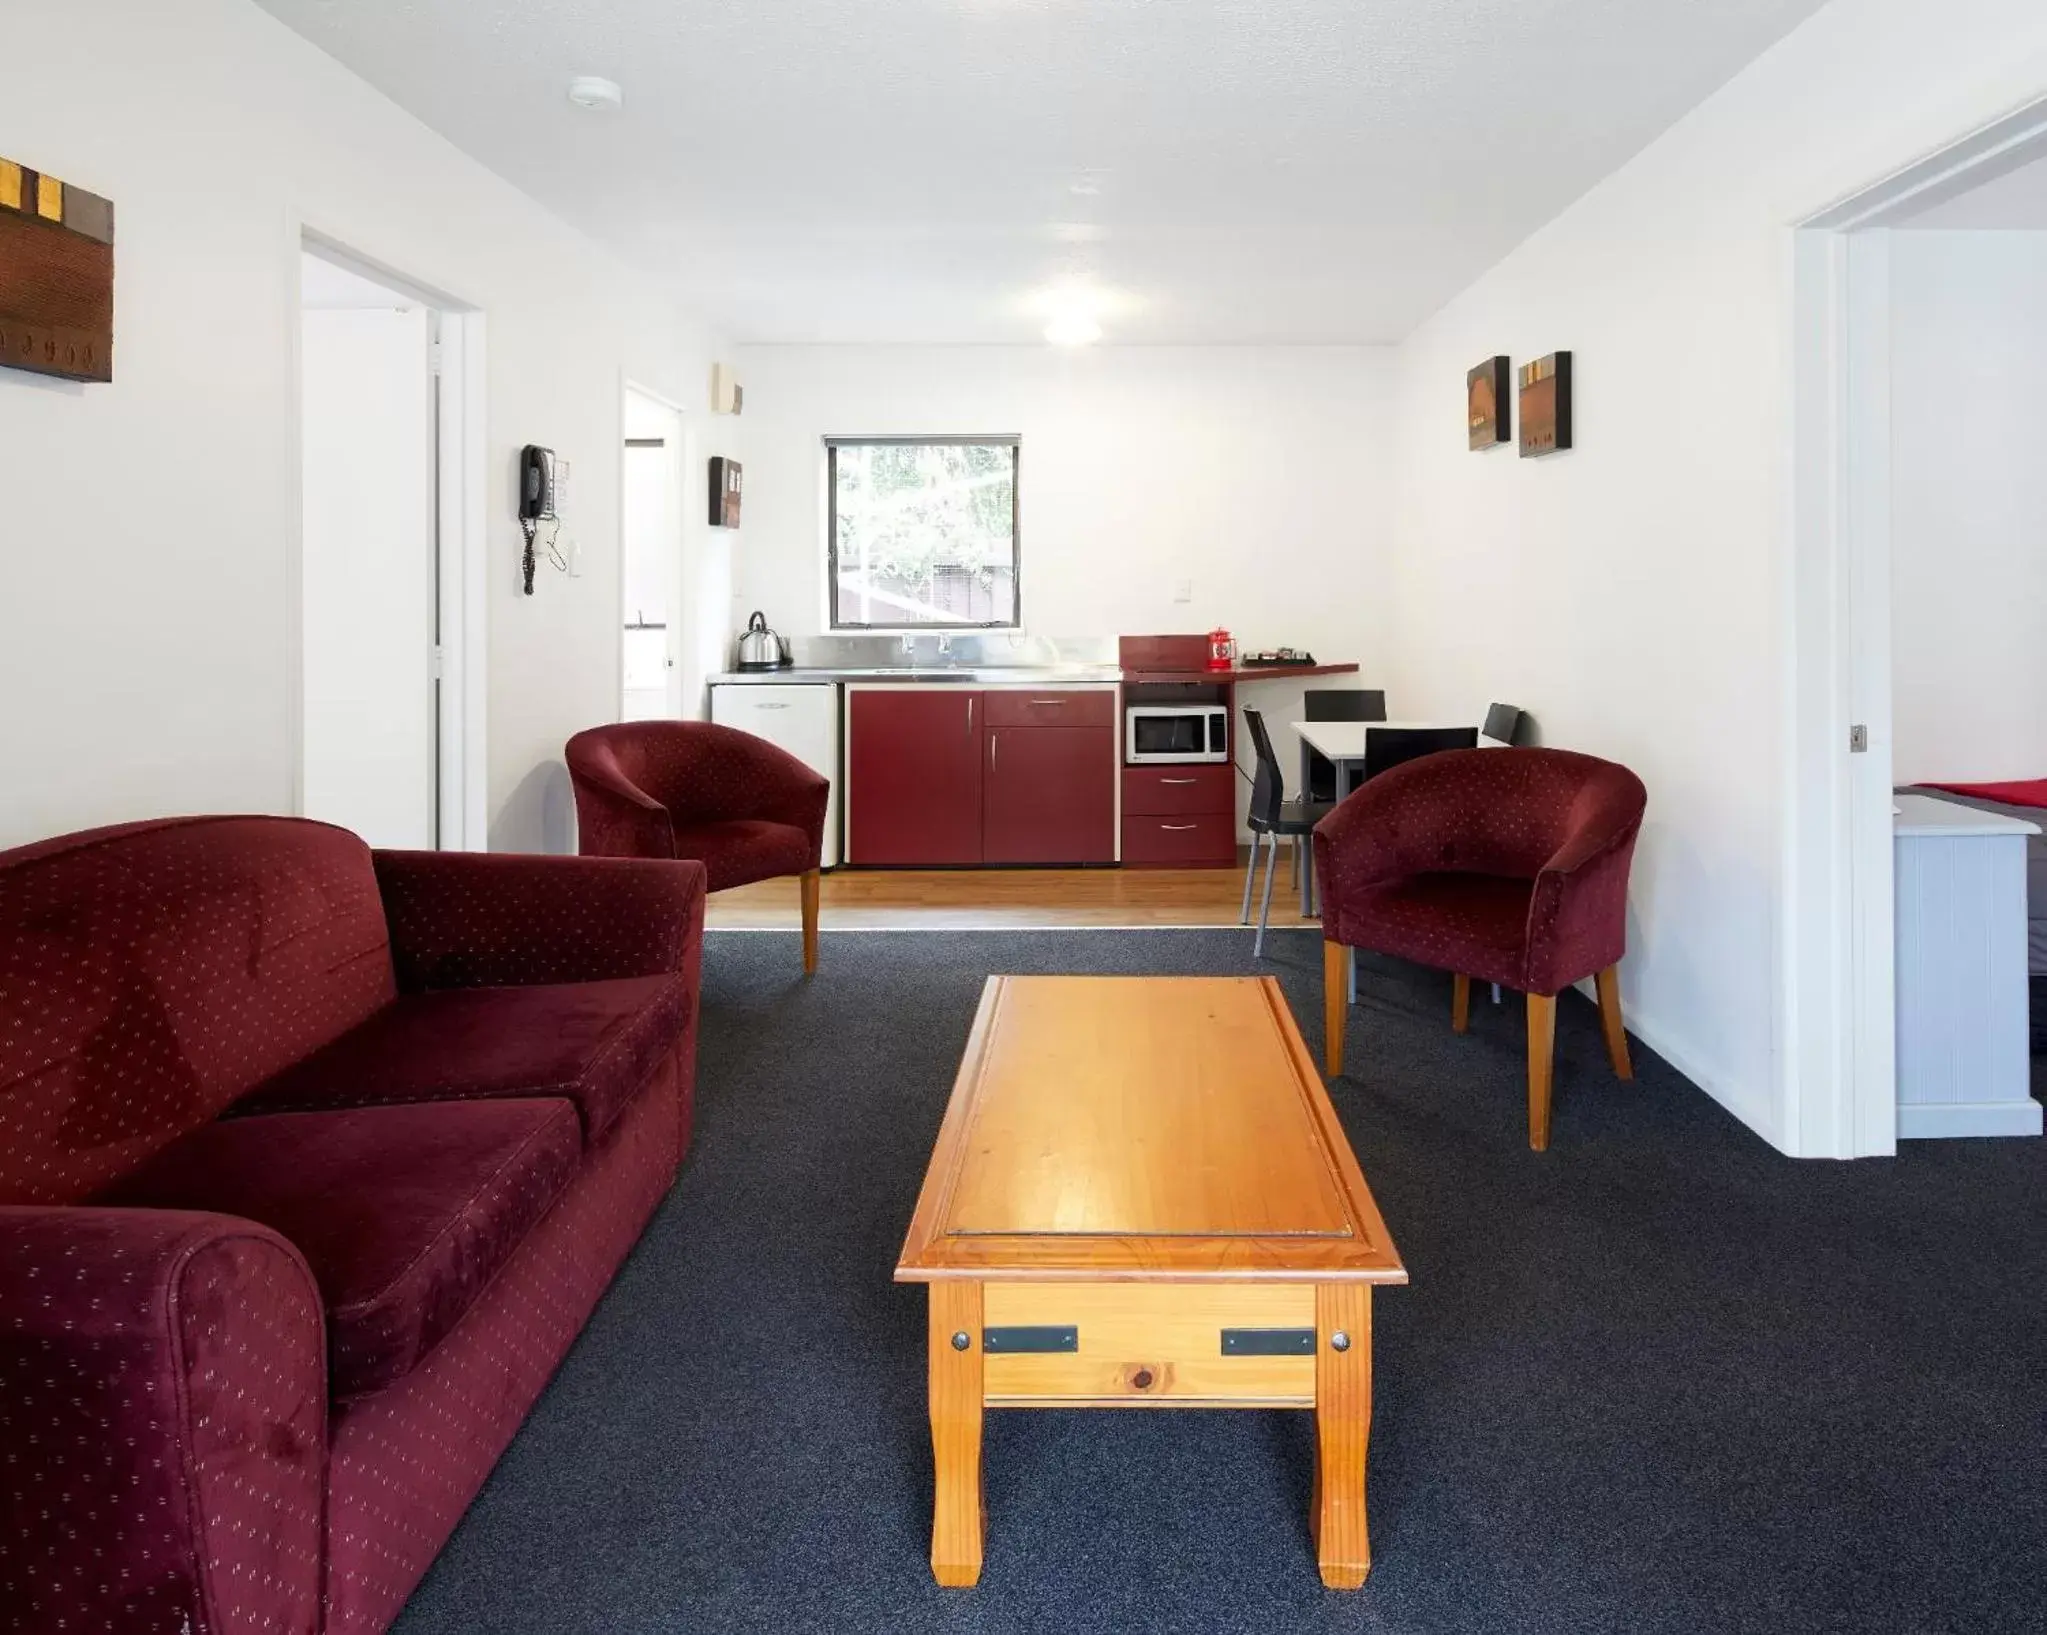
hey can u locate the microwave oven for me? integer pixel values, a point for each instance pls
(1175, 734)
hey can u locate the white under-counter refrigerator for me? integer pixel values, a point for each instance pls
(799, 716)
(1964, 1063)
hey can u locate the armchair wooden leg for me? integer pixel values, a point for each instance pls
(1335, 1008)
(1460, 1003)
(1542, 1043)
(1609, 984)
(809, 879)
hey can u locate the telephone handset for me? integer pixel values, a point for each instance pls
(536, 482)
(536, 503)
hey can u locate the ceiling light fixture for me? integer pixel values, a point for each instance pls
(596, 93)
(1073, 329)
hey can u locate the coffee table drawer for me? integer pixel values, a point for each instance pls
(1151, 1343)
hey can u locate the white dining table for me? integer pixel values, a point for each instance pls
(1343, 742)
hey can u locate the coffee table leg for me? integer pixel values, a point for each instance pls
(958, 1514)
(1343, 1427)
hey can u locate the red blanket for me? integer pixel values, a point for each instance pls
(2024, 792)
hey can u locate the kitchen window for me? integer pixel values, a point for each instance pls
(922, 533)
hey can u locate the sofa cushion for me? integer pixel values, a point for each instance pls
(153, 973)
(592, 1042)
(1473, 923)
(405, 1214)
(745, 849)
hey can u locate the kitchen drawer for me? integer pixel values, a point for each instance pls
(1050, 707)
(1167, 791)
(1192, 840)
(1138, 1343)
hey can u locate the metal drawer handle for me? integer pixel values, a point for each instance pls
(1009, 1339)
(1042, 702)
(1179, 780)
(773, 707)
(1176, 827)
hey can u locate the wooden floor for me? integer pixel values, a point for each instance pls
(868, 899)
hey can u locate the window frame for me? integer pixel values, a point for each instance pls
(1013, 441)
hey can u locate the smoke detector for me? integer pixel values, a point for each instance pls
(595, 93)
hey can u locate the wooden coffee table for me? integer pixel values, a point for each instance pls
(1141, 1198)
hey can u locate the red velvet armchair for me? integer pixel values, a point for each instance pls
(1506, 865)
(735, 803)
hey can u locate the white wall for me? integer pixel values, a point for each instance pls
(150, 605)
(1634, 592)
(368, 573)
(1259, 475)
(1968, 505)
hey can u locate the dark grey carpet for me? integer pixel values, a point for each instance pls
(1659, 1379)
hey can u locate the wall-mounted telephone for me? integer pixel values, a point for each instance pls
(536, 503)
(536, 482)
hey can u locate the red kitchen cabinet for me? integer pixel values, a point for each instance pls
(1049, 793)
(913, 776)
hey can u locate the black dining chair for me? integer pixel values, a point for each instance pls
(1336, 704)
(1388, 747)
(1271, 816)
(1502, 724)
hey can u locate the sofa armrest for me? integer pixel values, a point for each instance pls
(163, 1401)
(479, 919)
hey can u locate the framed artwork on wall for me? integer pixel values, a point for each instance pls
(1546, 405)
(1487, 405)
(724, 492)
(56, 277)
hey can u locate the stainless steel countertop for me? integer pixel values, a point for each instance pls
(982, 675)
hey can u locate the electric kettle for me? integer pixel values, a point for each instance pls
(760, 648)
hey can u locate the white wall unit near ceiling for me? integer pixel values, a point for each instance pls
(913, 170)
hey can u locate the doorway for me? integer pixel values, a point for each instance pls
(1841, 926)
(390, 682)
(653, 542)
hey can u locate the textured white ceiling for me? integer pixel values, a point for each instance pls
(917, 170)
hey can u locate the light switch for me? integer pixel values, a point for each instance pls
(1183, 590)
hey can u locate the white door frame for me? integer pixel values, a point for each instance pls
(1840, 1022)
(680, 586)
(463, 803)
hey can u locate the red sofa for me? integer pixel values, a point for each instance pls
(313, 1162)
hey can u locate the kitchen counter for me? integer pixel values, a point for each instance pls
(978, 675)
(1027, 675)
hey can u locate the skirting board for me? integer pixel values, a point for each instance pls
(1955, 1118)
(1687, 1062)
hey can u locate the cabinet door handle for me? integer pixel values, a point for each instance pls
(1179, 780)
(970, 715)
(1178, 827)
(994, 742)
